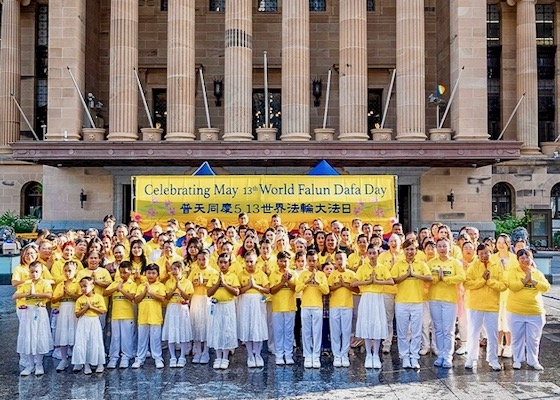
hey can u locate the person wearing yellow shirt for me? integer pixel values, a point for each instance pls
(389, 258)
(252, 326)
(222, 321)
(445, 232)
(447, 273)
(150, 297)
(65, 294)
(355, 261)
(169, 256)
(266, 262)
(88, 347)
(122, 292)
(313, 285)
(484, 283)
(330, 249)
(34, 335)
(137, 256)
(371, 326)
(153, 244)
(200, 275)
(410, 275)
(282, 288)
(526, 310)
(341, 306)
(122, 237)
(467, 259)
(101, 278)
(507, 260)
(428, 336)
(177, 329)
(57, 269)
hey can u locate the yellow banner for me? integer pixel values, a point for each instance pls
(295, 198)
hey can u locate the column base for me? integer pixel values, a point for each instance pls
(297, 137)
(237, 137)
(353, 137)
(412, 137)
(531, 151)
(180, 136)
(122, 137)
(5, 150)
(65, 136)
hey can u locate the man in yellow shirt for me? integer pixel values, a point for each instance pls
(313, 285)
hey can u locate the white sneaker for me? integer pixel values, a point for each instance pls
(536, 367)
(251, 361)
(500, 350)
(259, 361)
(136, 364)
(376, 362)
(516, 365)
(112, 364)
(495, 366)
(224, 364)
(87, 369)
(470, 364)
(217, 363)
(62, 365)
(28, 370)
(196, 358)
(308, 363)
(172, 363)
(290, 360)
(280, 360)
(406, 363)
(507, 353)
(424, 350)
(182, 362)
(337, 362)
(39, 370)
(99, 369)
(204, 358)
(316, 363)
(461, 350)
(159, 364)
(414, 364)
(369, 361)
(124, 363)
(345, 362)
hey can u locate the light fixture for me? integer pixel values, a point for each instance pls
(218, 91)
(451, 198)
(83, 198)
(317, 91)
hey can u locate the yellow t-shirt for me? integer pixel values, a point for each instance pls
(222, 295)
(312, 294)
(326, 257)
(150, 246)
(57, 270)
(122, 308)
(411, 290)
(96, 301)
(453, 274)
(102, 274)
(259, 277)
(164, 264)
(200, 278)
(184, 284)
(355, 260)
(270, 263)
(73, 287)
(389, 259)
(41, 287)
(285, 299)
(482, 294)
(150, 309)
(341, 297)
(21, 274)
(382, 273)
(526, 299)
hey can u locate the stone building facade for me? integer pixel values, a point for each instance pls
(488, 54)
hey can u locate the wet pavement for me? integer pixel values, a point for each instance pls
(295, 382)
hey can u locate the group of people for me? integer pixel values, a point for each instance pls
(318, 289)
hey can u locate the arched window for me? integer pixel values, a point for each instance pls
(501, 200)
(32, 199)
(555, 201)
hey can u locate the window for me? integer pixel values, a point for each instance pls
(501, 200)
(275, 110)
(41, 69)
(493, 24)
(545, 24)
(32, 199)
(555, 201)
(370, 5)
(160, 108)
(218, 5)
(164, 5)
(317, 5)
(494, 91)
(375, 97)
(546, 68)
(267, 5)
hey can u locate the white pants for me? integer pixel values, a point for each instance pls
(389, 300)
(444, 314)
(463, 325)
(409, 319)
(149, 334)
(271, 341)
(526, 332)
(340, 325)
(478, 319)
(122, 339)
(427, 328)
(311, 331)
(356, 301)
(283, 326)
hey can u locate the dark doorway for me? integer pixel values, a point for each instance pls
(405, 207)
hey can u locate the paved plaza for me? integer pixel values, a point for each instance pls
(272, 382)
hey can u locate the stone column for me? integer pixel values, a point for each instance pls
(10, 74)
(353, 70)
(527, 80)
(469, 110)
(123, 54)
(411, 67)
(238, 76)
(508, 75)
(180, 70)
(67, 47)
(296, 79)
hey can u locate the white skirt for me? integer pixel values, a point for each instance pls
(200, 308)
(65, 331)
(34, 334)
(251, 324)
(222, 327)
(372, 321)
(177, 326)
(88, 346)
(503, 320)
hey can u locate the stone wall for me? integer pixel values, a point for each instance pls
(13, 176)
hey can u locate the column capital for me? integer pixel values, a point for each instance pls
(513, 3)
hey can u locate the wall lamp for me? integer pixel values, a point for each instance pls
(218, 91)
(451, 198)
(83, 198)
(317, 91)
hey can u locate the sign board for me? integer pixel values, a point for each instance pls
(540, 227)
